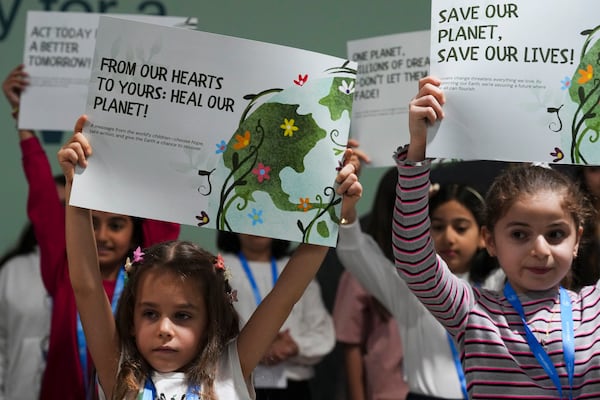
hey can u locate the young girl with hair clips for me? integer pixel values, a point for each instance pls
(432, 369)
(68, 373)
(176, 333)
(534, 339)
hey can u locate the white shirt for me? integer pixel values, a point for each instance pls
(429, 365)
(25, 309)
(309, 323)
(229, 383)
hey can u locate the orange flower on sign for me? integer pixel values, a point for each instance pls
(242, 141)
(304, 204)
(586, 74)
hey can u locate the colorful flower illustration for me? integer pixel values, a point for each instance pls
(301, 79)
(262, 172)
(304, 204)
(242, 141)
(347, 88)
(288, 126)
(566, 83)
(253, 157)
(586, 74)
(557, 154)
(256, 216)
(203, 218)
(221, 147)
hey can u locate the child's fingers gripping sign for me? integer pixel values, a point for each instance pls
(75, 151)
(349, 186)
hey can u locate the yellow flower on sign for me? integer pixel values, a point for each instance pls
(288, 126)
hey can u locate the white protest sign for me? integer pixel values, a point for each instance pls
(216, 131)
(59, 47)
(389, 68)
(520, 78)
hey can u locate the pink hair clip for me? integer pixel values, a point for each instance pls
(219, 263)
(138, 255)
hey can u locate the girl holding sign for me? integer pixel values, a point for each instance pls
(535, 339)
(176, 333)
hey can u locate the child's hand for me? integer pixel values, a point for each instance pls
(75, 151)
(349, 186)
(424, 109)
(358, 156)
(282, 348)
(14, 84)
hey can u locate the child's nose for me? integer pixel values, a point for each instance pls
(165, 328)
(540, 247)
(450, 235)
(101, 232)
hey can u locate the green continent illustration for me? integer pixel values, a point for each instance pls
(338, 104)
(274, 137)
(268, 144)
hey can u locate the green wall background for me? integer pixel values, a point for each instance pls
(317, 25)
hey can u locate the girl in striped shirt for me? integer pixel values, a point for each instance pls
(534, 339)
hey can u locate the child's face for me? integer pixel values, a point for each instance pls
(535, 242)
(456, 235)
(114, 235)
(169, 320)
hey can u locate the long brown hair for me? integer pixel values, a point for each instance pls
(190, 262)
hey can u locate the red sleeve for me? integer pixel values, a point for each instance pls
(46, 212)
(159, 231)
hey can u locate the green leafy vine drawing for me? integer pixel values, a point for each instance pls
(584, 92)
(273, 137)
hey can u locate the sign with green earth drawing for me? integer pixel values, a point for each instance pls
(217, 132)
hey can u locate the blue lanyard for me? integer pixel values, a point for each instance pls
(81, 343)
(568, 339)
(458, 365)
(459, 369)
(150, 393)
(250, 275)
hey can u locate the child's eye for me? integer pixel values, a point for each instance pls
(438, 227)
(461, 229)
(150, 314)
(518, 235)
(556, 236)
(116, 226)
(181, 316)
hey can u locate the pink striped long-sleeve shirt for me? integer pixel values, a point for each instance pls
(497, 360)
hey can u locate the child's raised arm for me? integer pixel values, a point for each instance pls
(92, 304)
(424, 109)
(263, 326)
